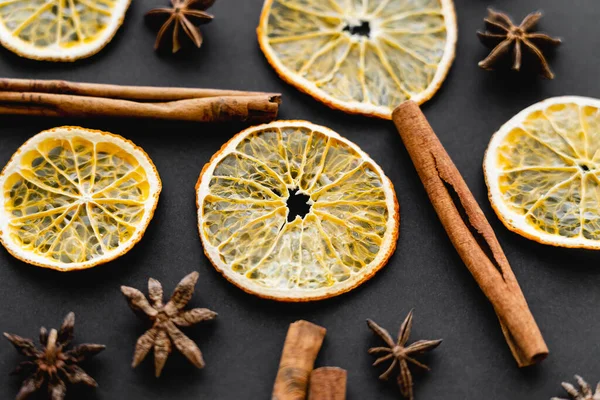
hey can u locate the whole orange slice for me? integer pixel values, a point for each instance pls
(74, 198)
(249, 235)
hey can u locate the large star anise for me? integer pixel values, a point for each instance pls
(585, 392)
(505, 37)
(401, 354)
(166, 319)
(185, 15)
(52, 366)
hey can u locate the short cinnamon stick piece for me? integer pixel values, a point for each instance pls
(73, 99)
(328, 383)
(302, 344)
(470, 233)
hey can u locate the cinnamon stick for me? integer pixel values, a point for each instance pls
(470, 233)
(302, 344)
(328, 383)
(147, 93)
(72, 99)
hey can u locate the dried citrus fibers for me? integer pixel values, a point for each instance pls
(74, 198)
(59, 30)
(248, 233)
(542, 169)
(360, 56)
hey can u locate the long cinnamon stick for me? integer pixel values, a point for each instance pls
(71, 99)
(328, 383)
(470, 233)
(148, 93)
(302, 344)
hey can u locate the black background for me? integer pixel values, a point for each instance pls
(242, 347)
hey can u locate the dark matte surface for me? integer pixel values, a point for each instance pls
(242, 347)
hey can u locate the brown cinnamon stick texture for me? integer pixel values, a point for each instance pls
(302, 344)
(328, 383)
(470, 233)
(72, 99)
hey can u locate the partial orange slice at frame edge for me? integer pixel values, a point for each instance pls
(361, 57)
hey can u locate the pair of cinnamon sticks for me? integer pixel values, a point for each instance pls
(296, 375)
(72, 99)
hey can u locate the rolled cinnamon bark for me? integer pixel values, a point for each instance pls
(71, 99)
(218, 109)
(470, 233)
(147, 93)
(302, 344)
(328, 383)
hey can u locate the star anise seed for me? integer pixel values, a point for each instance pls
(166, 319)
(51, 365)
(504, 37)
(584, 393)
(184, 15)
(400, 354)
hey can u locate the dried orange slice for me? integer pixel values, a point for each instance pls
(59, 30)
(74, 198)
(249, 235)
(360, 56)
(542, 169)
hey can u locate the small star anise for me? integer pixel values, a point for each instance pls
(504, 36)
(401, 354)
(166, 319)
(51, 365)
(584, 394)
(185, 15)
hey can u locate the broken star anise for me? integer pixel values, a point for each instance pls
(584, 393)
(400, 354)
(184, 15)
(52, 365)
(505, 37)
(166, 319)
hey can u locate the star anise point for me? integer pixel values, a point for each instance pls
(166, 318)
(507, 39)
(184, 15)
(400, 354)
(53, 365)
(584, 392)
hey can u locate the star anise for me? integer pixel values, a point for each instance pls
(184, 15)
(166, 319)
(505, 37)
(400, 354)
(585, 392)
(52, 366)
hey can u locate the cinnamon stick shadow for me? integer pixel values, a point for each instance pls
(470, 233)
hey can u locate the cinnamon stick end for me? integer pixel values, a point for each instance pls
(263, 109)
(275, 98)
(328, 383)
(533, 360)
(403, 107)
(300, 350)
